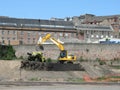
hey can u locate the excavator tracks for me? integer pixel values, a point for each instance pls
(34, 65)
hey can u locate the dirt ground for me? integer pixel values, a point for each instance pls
(10, 71)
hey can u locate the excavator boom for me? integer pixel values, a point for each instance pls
(60, 46)
(43, 39)
(48, 37)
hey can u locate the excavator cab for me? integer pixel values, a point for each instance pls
(63, 54)
(64, 57)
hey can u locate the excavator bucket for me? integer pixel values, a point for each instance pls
(40, 47)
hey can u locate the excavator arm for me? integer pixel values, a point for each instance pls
(60, 46)
(41, 41)
(48, 37)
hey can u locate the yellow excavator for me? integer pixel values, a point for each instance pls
(63, 57)
(36, 61)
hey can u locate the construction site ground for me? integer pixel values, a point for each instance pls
(10, 71)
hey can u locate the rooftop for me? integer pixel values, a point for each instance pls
(94, 27)
(17, 22)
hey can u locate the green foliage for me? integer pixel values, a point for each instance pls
(107, 39)
(115, 66)
(7, 52)
(49, 60)
(21, 57)
(104, 78)
(75, 80)
(101, 62)
(35, 79)
(87, 50)
(98, 59)
(81, 59)
(101, 78)
(115, 77)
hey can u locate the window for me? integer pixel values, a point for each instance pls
(66, 34)
(34, 33)
(72, 35)
(33, 40)
(21, 32)
(28, 38)
(108, 33)
(8, 38)
(2, 38)
(39, 33)
(14, 32)
(61, 34)
(92, 32)
(87, 32)
(8, 32)
(13, 38)
(3, 32)
(87, 35)
(29, 34)
(21, 38)
(102, 32)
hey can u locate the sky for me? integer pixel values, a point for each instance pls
(46, 9)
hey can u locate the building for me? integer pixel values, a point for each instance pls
(78, 29)
(90, 27)
(89, 33)
(99, 20)
(17, 31)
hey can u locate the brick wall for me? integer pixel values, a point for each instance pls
(87, 51)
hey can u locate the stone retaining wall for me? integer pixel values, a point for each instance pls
(85, 51)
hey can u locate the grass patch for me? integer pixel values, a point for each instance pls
(115, 66)
(35, 79)
(49, 60)
(101, 78)
(115, 77)
(109, 78)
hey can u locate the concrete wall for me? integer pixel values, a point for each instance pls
(87, 51)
